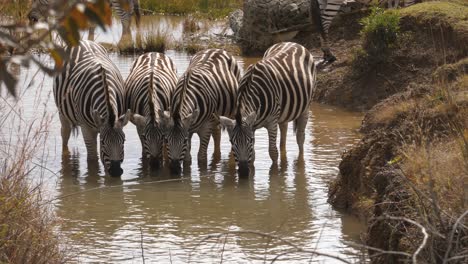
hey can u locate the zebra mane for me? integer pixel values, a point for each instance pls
(242, 90)
(110, 111)
(150, 91)
(177, 115)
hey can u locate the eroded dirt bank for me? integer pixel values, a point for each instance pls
(412, 162)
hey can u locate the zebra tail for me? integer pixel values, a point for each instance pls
(317, 16)
(150, 91)
(136, 8)
(110, 112)
(294, 127)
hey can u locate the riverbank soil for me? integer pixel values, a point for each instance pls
(428, 40)
(408, 175)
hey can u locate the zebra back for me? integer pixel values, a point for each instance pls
(150, 70)
(87, 78)
(279, 87)
(209, 85)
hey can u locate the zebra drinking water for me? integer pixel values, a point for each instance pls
(123, 8)
(89, 93)
(148, 90)
(273, 91)
(209, 86)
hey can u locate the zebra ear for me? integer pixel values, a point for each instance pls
(190, 118)
(227, 123)
(138, 120)
(250, 119)
(123, 119)
(164, 119)
(98, 119)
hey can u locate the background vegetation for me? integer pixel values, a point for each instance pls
(210, 8)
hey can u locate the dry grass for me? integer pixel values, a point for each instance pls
(27, 225)
(190, 24)
(392, 111)
(442, 165)
(151, 41)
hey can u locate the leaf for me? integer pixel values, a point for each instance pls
(57, 58)
(99, 12)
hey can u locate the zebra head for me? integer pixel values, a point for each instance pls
(177, 138)
(112, 140)
(39, 10)
(153, 137)
(242, 136)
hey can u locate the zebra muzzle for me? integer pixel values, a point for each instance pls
(175, 166)
(154, 162)
(114, 169)
(244, 169)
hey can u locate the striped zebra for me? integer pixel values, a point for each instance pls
(148, 90)
(273, 91)
(89, 93)
(324, 11)
(123, 8)
(209, 86)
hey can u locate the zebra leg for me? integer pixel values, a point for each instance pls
(66, 132)
(301, 124)
(204, 134)
(188, 155)
(91, 33)
(90, 139)
(272, 149)
(216, 134)
(283, 134)
(142, 140)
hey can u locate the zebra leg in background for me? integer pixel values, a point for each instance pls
(140, 131)
(283, 135)
(301, 124)
(66, 132)
(272, 149)
(91, 33)
(322, 16)
(90, 139)
(188, 155)
(216, 134)
(204, 133)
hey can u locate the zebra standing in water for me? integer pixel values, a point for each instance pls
(209, 86)
(89, 93)
(274, 91)
(124, 9)
(323, 12)
(148, 90)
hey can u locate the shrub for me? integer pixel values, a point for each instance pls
(380, 31)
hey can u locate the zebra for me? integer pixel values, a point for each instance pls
(148, 90)
(208, 86)
(124, 9)
(273, 91)
(88, 93)
(323, 12)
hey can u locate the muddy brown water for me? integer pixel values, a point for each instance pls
(179, 220)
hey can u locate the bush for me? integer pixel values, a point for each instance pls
(380, 31)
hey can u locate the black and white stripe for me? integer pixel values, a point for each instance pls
(274, 91)
(148, 91)
(324, 11)
(209, 86)
(89, 93)
(125, 9)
